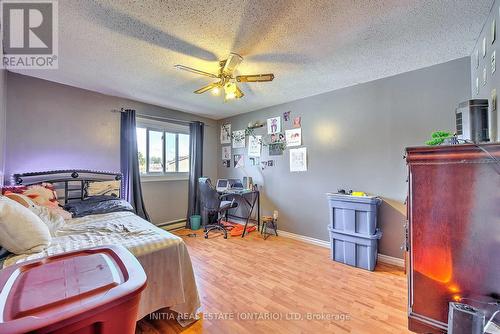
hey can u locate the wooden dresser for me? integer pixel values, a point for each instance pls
(453, 234)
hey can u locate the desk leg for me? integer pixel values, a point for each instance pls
(257, 199)
(258, 211)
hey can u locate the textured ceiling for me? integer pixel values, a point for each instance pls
(128, 48)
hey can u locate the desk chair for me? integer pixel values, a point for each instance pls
(214, 203)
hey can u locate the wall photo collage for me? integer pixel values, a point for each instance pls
(282, 132)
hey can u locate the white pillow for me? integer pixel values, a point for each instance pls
(49, 216)
(21, 231)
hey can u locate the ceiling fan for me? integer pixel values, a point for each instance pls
(226, 78)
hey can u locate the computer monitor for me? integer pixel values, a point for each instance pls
(235, 184)
(222, 185)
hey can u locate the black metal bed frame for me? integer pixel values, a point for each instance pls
(71, 181)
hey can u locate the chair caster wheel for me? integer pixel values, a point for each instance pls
(225, 236)
(206, 236)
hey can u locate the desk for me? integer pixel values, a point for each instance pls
(251, 198)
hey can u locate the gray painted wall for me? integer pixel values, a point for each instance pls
(3, 106)
(54, 126)
(478, 64)
(355, 139)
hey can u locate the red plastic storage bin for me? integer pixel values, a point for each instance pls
(94, 290)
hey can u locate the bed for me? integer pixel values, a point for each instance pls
(164, 256)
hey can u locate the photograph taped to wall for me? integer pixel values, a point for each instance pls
(254, 146)
(254, 161)
(226, 152)
(484, 46)
(493, 31)
(225, 134)
(273, 125)
(239, 161)
(293, 137)
(238, 138)
(297, 121)
(493, 61)
(226, 163)
(493, 100)
(286, 116)
(275, 149)
(298, 159)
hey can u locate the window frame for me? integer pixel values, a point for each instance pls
(164, 127)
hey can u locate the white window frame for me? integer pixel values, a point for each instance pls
(154, 125)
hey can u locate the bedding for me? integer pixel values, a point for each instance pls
(21, 231)
(96, 188)
(43, 194)
(163, 256)
(97, 205)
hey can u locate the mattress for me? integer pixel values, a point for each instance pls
(164, 257)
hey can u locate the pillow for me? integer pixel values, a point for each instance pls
(42, 194)
(49, 216)
(97, 188)
(29, 203)
(21, 231)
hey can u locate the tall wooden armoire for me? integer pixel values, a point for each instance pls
(453, 230)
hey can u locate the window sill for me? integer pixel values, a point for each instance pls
(164, 178)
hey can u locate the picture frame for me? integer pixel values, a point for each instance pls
(225, 133)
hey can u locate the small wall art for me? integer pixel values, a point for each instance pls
(297, 121)
(275, 149)
(274, 125)
(298, 159)
(226, 163)
(226, 152)
(239, 161)
(286, 116)
(484, 47)
(493, 31)
(493, 61)
(293, 137)
(254, 146)
(225, 134)
(238, 138)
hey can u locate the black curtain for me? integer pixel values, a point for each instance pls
(195, 168)
(131, 182)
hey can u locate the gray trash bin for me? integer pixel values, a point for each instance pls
(353, 214)
(354, 249)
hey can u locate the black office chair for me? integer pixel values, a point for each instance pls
(214, 203)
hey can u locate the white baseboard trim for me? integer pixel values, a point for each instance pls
(391, 260)
(326, 244)
(309, 240)
(173, 225)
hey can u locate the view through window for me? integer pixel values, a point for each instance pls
(162, 148)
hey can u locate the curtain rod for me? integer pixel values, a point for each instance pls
(161, 118)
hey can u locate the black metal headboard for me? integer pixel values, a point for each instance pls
(70, 184)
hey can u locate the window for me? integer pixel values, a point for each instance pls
(162, 148)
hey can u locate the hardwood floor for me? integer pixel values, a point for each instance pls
(284, 278)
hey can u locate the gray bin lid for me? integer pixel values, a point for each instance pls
(356, 199)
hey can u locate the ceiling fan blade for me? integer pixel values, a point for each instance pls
(193, 70)
(255, 78)
(206, 88)
(231, 63)
(239, 94)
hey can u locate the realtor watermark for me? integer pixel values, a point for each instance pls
(30, 34)
(254, 316)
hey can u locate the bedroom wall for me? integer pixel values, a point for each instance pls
(478, 63)
(3, 106)
(55, 126)
(355, 139)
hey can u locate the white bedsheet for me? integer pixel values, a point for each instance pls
(164, 256)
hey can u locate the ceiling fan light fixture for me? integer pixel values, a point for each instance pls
(215, 91)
